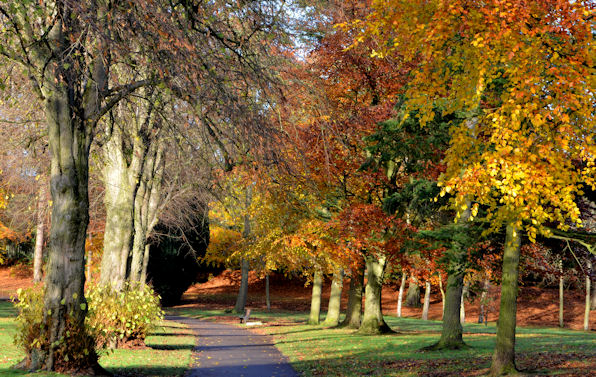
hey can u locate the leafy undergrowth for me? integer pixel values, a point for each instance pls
(167, 352)
(317, 351)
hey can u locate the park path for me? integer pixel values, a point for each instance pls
(228, 350)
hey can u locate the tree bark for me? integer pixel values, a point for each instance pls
(267, 296)
(451, 333)
(413, 295)
(462, 307)
(354, 310)
(244, 264)
(39, 232)
(588, 292)
(483, 314)
(146, 206)
(426, 301)
(593, 304)
(400, 294)
(503, 361)
(315, 303)
(243, 290)
(120, 191)
(442, 290)
(561, 294)
(372, 320)
(145, 263)
(334, 308)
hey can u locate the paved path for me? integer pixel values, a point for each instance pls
(228, 350)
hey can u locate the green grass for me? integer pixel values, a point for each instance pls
(316, 351)
(167, 354)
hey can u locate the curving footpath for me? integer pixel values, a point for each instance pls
(227, 350)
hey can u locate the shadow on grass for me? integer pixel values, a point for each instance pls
(143, 370)
(7, 310)
(171, 347)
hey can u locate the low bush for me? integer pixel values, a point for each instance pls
(114, 317)
(74, 351)
(122, 317)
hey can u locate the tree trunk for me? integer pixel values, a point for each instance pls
(426, 301)
(120, 191)
(244, 266)
(89, 256)
(483, 314)
(588, 292)
(503, 361)
(400, 294)
(334, 308)
(145, 263)
(39, 232)
(267, 296)
(354, 310)
(442, 290)
(146, 206)
(372, 320)
(315, 303)
(462, 307)
(561, 294)
(243, 291)
(413, 295)
(593, 304)
(451, 333)
(65, 307)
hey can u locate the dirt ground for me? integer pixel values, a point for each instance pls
(536, 306)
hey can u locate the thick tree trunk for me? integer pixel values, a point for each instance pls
(334, 308)
(413, 295)
(462, 307)
(372, 320)
(119, 201)
(243, 290)
(561, 294)
(588, 292)
(400, 294)
(146, 205)
(483, 313)
(451, 334)
(426, 305)
(39, 232)
(315, 303)
(354, 310)
(267, 296)
(503, 361)
(63, 333)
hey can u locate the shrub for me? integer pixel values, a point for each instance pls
(114, 318)
(29, 303)
(117, 318)
(74, 351)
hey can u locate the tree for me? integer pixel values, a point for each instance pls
(523, 68)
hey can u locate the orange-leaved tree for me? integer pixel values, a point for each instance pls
(524, 71)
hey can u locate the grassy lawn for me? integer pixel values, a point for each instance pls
(316, 351)
(167, 353)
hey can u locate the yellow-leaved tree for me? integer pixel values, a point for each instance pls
(523, 73)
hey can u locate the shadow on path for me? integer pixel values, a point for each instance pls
(227, 350)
